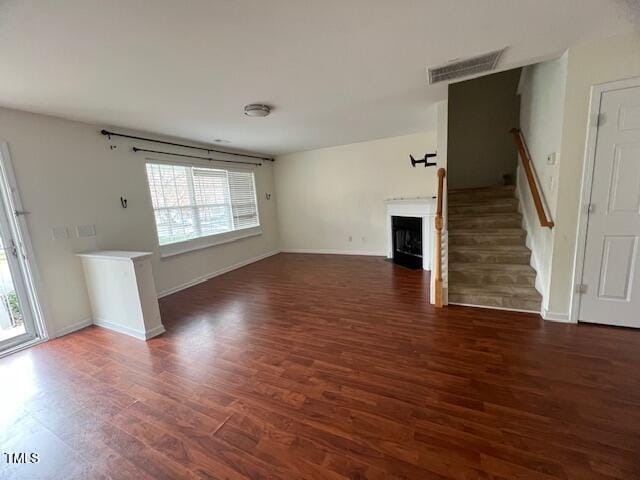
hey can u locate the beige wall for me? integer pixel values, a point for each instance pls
(589, 64)
(481, 113)
(68, 176)
(542, 96)
(326, 196)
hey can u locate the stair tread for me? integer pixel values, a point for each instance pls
(491, 267)
(461, 200)
(487, 301)
(477, 278)
(489, 248)
(485, 231)
(487, 215)
(522, 291)
(482, 209)
(483, 189)
(500, 202)
(500, 232)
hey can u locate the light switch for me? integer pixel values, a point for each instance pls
(551, 159)
(86, 230)
(59, 233)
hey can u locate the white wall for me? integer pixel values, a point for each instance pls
(599, 61)
(68, 176)
(542, 95)
(326, 196)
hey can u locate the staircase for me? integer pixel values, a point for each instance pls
(488, 257)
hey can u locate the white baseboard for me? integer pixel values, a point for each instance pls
(74, 327)
(154, 332)
(363, 253)
(132, 332)
(209, 276)
(555, 317)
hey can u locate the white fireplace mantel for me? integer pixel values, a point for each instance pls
(419, 207)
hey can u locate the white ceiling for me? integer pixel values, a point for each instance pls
(336, 71)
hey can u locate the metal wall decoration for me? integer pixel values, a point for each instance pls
(425, 160)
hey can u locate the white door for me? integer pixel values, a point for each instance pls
(611, 274)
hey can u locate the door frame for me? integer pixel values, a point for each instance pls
(32, 279)
(587, 185)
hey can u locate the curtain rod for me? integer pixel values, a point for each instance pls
(136, 149)
(146, 139)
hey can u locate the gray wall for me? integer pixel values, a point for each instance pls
(481, 113)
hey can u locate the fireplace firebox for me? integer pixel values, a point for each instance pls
(407, 241)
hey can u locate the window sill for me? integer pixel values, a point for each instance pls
(205, 242)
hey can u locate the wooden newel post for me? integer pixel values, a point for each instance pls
(438, 249)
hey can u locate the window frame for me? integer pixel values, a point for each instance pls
(199, 243)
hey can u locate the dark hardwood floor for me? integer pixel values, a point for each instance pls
(326, 367)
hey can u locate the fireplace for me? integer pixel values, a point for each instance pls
(410, 224)
(407, 241)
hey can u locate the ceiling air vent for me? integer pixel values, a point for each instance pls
(464, 68)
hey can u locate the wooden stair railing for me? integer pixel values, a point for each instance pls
(521, 144)
(438, 247)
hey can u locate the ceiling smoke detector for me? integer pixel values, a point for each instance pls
(465, 68)
(257, 110)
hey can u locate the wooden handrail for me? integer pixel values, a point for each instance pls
(438, 248)
(531, 180)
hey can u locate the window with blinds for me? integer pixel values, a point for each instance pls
(191, 202)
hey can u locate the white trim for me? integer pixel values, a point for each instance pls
(587, 183)
(132, 332)
(74, 327)
(222, 271)
(555, 317)
(172, 249)
(314, 251)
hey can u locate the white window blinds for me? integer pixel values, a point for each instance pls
(243, 199)
(193, 202)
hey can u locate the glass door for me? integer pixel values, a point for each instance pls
(16, 325)
(17, 322)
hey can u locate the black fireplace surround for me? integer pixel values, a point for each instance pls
(407, 241)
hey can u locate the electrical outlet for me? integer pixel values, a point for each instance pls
(59, 233)
(86, 230)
